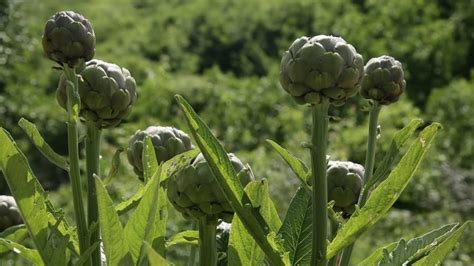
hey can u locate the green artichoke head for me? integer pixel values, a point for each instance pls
(194, 191)
(107, 93)
(321, 67)
(68, 38)
(9, 213)
(344, 185)
(384, 80)
(167, 142)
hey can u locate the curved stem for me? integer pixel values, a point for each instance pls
(73, 106)
(319, 135)
(93, 168)
(207, 241)
(369, 169)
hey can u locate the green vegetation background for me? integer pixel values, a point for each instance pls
(223, 56)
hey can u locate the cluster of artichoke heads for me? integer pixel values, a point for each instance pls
(327, 67)
(9, 213)
(107, 91)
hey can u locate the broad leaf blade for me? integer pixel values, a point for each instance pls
(150, 164)
(189, 237)
(32, 255)
(299, 168)
(243, 250)
(154, 258)
(228, 181)
(15, 234)
(36, 210)
(297, 228)
(394, 152)
(35, 136)
(114, 167)
(385, 195)
(438, 254)
(374, 258)
(115, 246)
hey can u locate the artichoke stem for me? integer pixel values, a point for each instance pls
(369, 169)
(93, 168)
(207, 241)
(319, 135)
(73, 150)
(192, 250)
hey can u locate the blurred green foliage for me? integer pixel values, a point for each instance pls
(223, 57)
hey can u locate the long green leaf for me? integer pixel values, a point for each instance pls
(243, 250)
(150, 164)
(115, 247)
(189, 237)
(228, 181)
(297, 228)
(374, 258)
(299, 168)
(394, 152)
(36, 210)
(39, 142)
(114, 167)
(32, 255)
(14, 233)
(385, 195)
(438, 254)
(154, 258)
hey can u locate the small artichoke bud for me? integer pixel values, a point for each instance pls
(194, 191)
(9, 213)
(344, 185)
(321, 66)
(107, 93)
(383, 80)
(68, 37)
(167, 142)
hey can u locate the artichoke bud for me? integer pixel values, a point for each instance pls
(194, 191)
(9, 213)
(107, 93)
(68, 38)
(344, 185)
(383, 80)
(321, 67)
(167, 143)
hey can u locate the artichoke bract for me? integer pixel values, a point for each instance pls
(107, 93)
(194, 191)
(384, 80)
(9, 213)
(167, 142)
(344, 185)
(321, 66)
(68, 37)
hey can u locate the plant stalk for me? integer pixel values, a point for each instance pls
(369, 169)
(73, 106)
(192, 250)
(93, 168)
(319, 135)
(207, 241)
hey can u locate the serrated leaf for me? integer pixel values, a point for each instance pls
(189, 237)
(36, 210)
(439, 253)
(154, 258)
(35, 136)
(296, 230)
(115, 247)
(374, 258)
(229, 183)
(385, 195)
(243, 250)
(299, 168)
(32, 255)
(394, 151)
(407, 251)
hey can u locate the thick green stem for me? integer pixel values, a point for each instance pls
(369, 169)
(207, 241)
(73, 106)
(319, 135)
(192, 250)
(93, 168)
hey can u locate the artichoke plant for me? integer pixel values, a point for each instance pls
(68, 38)
(321, 66)
(383, 80)
(9, 214)
(344, 185)
(167, 142)
(194, 191)
(107, 93)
